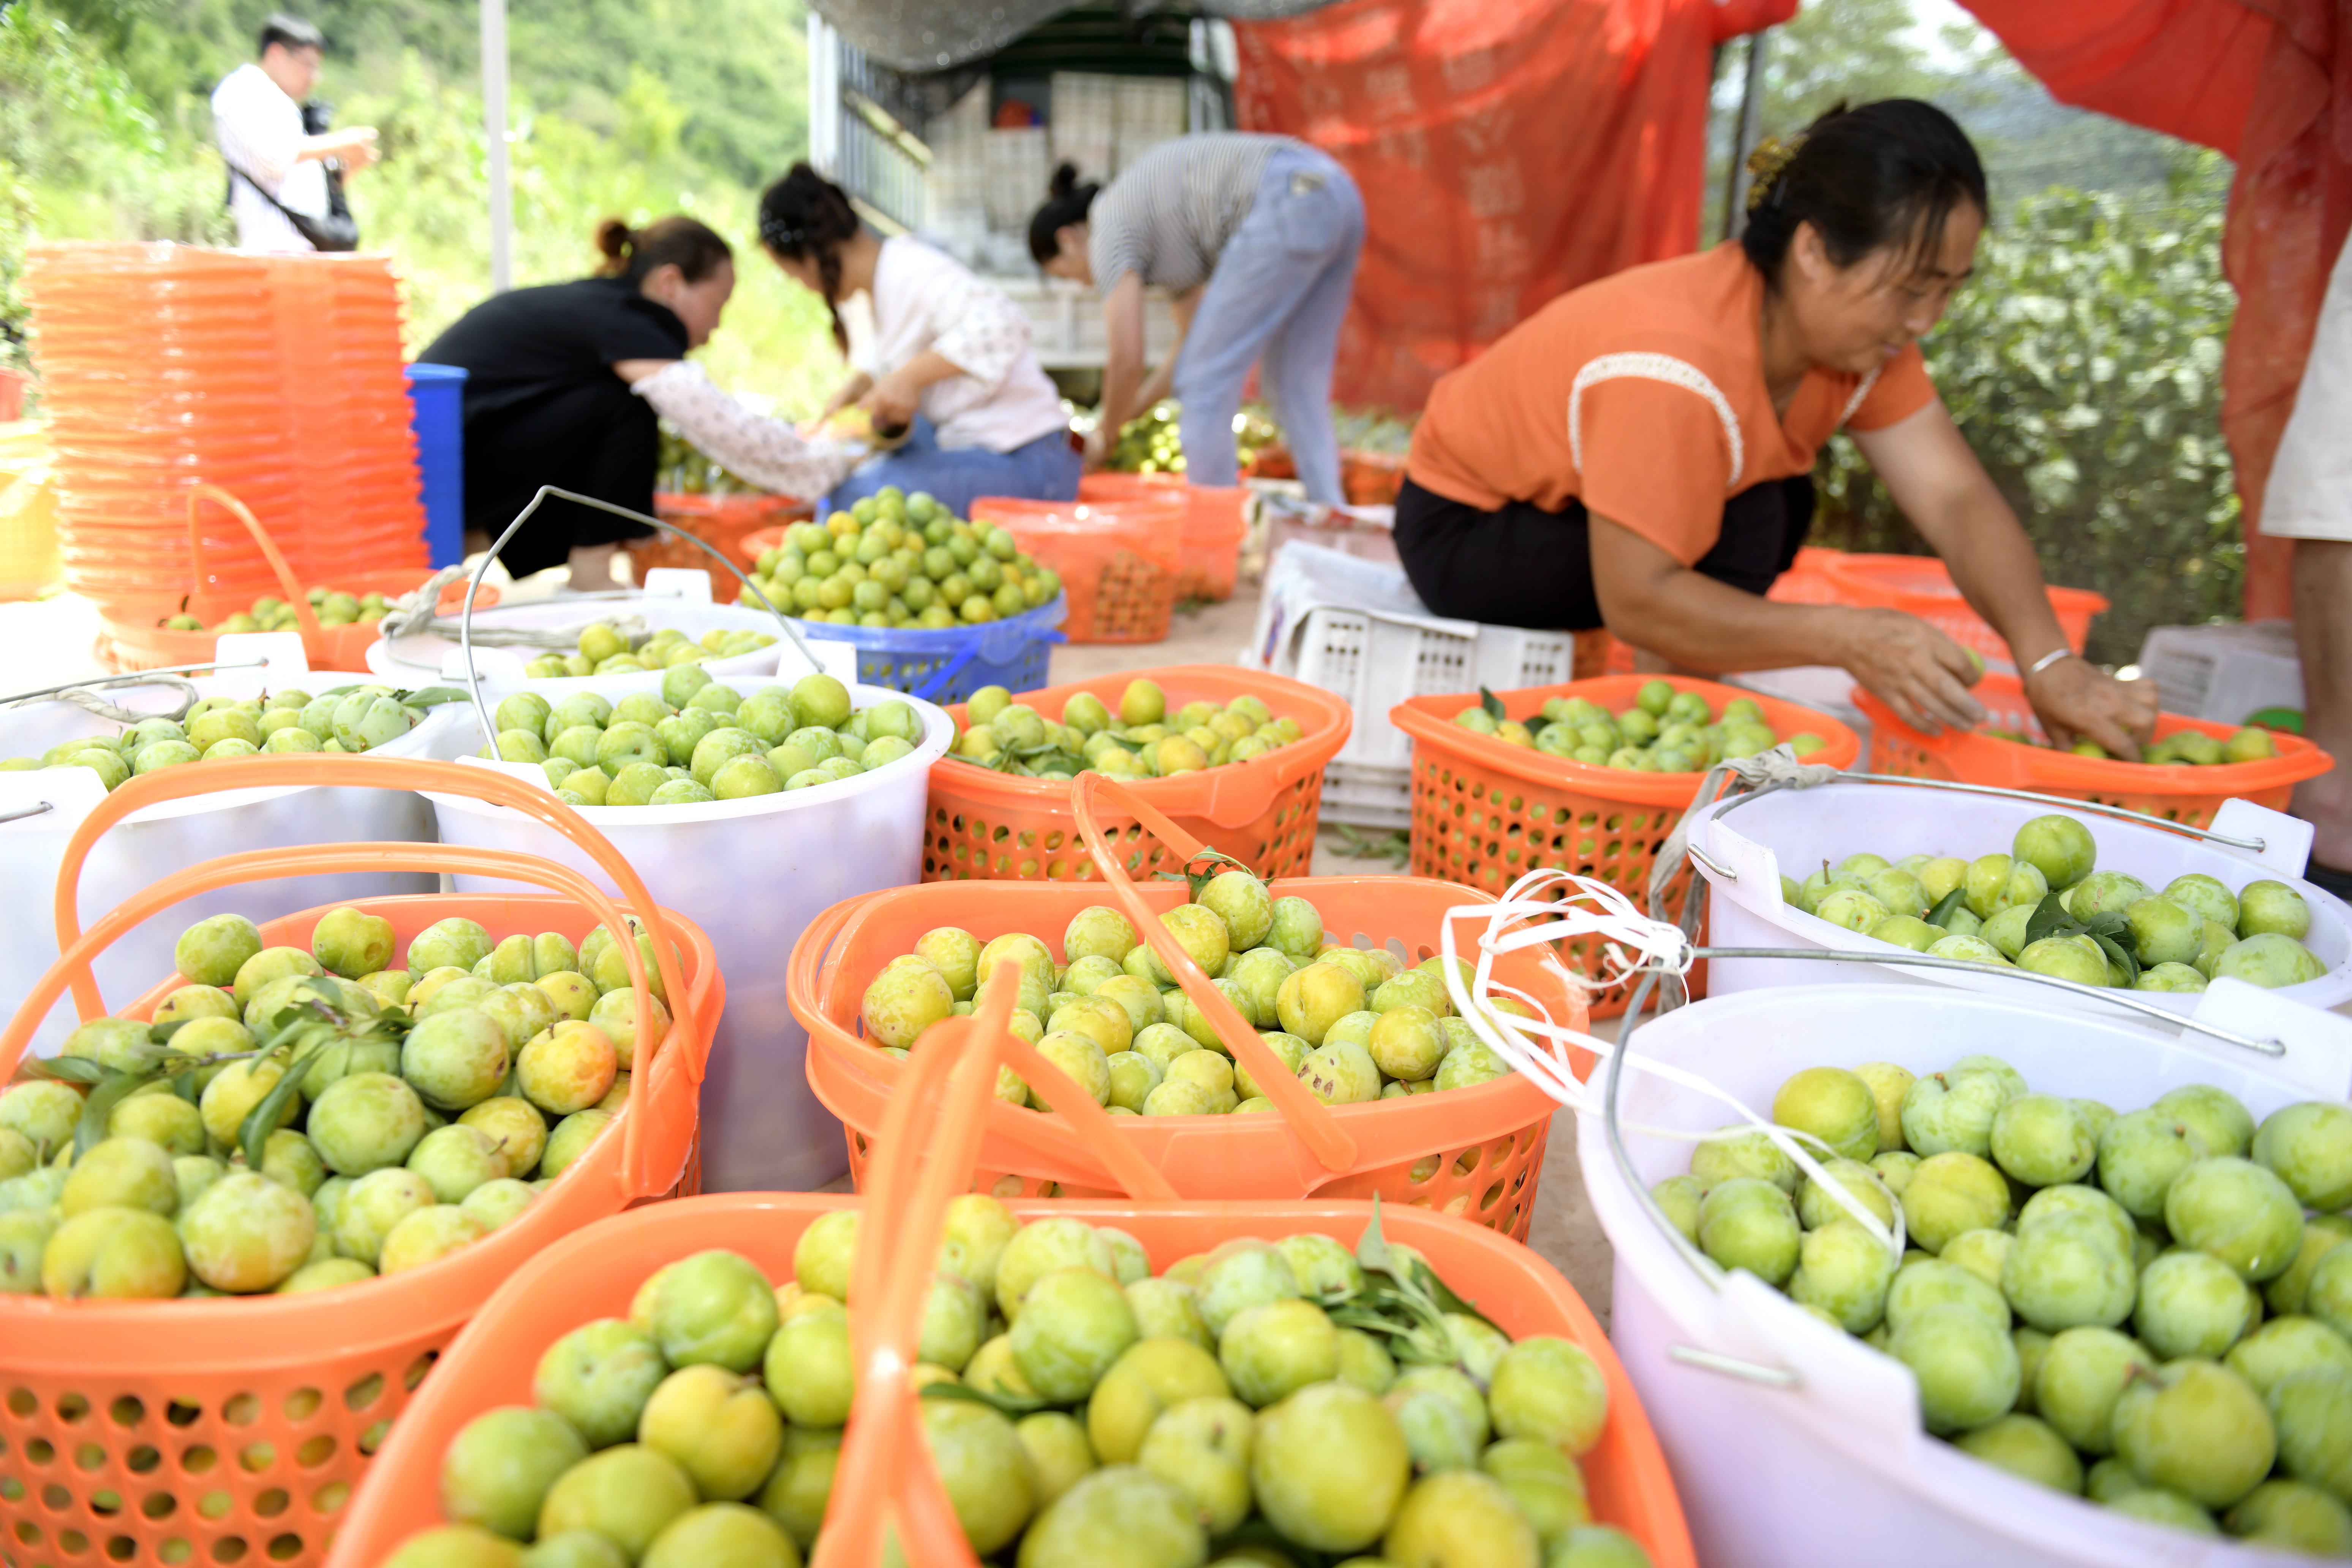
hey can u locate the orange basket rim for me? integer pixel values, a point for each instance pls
(1430, 720)
(511, 1331)
(1873, 573)
(1186, 793)
(2297, 759)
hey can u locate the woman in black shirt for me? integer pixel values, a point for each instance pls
(548, 401)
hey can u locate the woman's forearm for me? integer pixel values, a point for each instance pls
(1122, 355)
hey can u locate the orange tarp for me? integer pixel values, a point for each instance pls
(1508, 151)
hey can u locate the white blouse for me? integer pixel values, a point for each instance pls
(925, 300)
(768, 452)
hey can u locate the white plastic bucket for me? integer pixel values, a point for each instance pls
(752, 873)
(1837, 1469)
(1754, 839)
(673, 598)
(152, 844)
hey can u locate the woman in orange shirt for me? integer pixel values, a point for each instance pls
(1638, 454)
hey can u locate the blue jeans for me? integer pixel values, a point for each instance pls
(1045, 469)
(1276, 299)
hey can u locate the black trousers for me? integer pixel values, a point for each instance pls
(597, 438)
(1523, 566)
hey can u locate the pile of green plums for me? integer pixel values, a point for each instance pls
(607, 649)
(899, 560)
(1141, 739)
(2191, 747)
(397, 1148)
(330, 607)
(356, 718)
(1352, 1024)
(697, 740)
(2184, 935)
(2152, 1310)
(1103, 1416)
(1664, 732)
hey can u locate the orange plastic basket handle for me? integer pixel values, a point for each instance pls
(928, 1139)
(295, 595)
(411, 776)
(260, 865)
(1308, 1117)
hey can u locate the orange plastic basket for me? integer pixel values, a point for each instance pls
(1216, 518)
(1921, 585)
(884, 1482)
(132, 641)
(1121, 563)
(2176, 791)
(1262, 811)
(1475, 1153)
(729, 524)
(1485, 811)
(226, 1431)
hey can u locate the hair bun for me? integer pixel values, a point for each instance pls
(613, 239)
(1065, 181)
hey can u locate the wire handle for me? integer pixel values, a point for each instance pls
(1309, 1118)
(296, 597)
(474, 587)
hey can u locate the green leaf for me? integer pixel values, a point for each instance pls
(2049, 919)
(434, 697)
(2120, 958)
(1006, 1405)
(1492, 705)
(99, 1109)
(67, 1070)
(2111, 923)
(253, 1133)
(1941, 915)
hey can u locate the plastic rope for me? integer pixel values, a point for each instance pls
(1778, 768)
(1633, 946)
(88, 699)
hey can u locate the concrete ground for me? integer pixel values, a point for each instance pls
(1565, 1231)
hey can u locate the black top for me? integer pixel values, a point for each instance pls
(529, 343)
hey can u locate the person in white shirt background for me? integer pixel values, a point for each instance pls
(257, 120)
(951, 357)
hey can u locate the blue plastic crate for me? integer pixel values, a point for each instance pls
(949, 663)
(436, 394)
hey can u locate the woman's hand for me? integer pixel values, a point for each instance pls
(855, 387)
(2076, 701)
(891, 400)
(1914, 668)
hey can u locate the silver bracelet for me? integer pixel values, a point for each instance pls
(2046, 661)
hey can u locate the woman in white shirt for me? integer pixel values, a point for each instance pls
(953, 353)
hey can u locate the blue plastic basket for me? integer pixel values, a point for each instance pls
(436, 394)
(949, 663)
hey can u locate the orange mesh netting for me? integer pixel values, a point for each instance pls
(2257, 80)
(1506, 150)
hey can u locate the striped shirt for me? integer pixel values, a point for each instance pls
(1170, 216)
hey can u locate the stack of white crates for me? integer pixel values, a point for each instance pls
(1020, 166)
(1086, 122)
(955, 187)
(1151, 110)
(1355, 628)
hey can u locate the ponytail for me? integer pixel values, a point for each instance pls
(687, 244)
(1066, 202)
(805, 216)
(1887, 173)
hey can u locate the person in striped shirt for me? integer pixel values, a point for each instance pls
(1255, 239)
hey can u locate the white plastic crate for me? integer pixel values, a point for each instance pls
(2223, 674)
(1019, 168)
(1354, 628)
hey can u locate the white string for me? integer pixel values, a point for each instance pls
(1544, 907)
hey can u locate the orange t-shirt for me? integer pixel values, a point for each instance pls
(1644, 397)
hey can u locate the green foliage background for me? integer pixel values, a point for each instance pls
(627, 108)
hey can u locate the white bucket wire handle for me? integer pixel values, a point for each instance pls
(474, 587)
